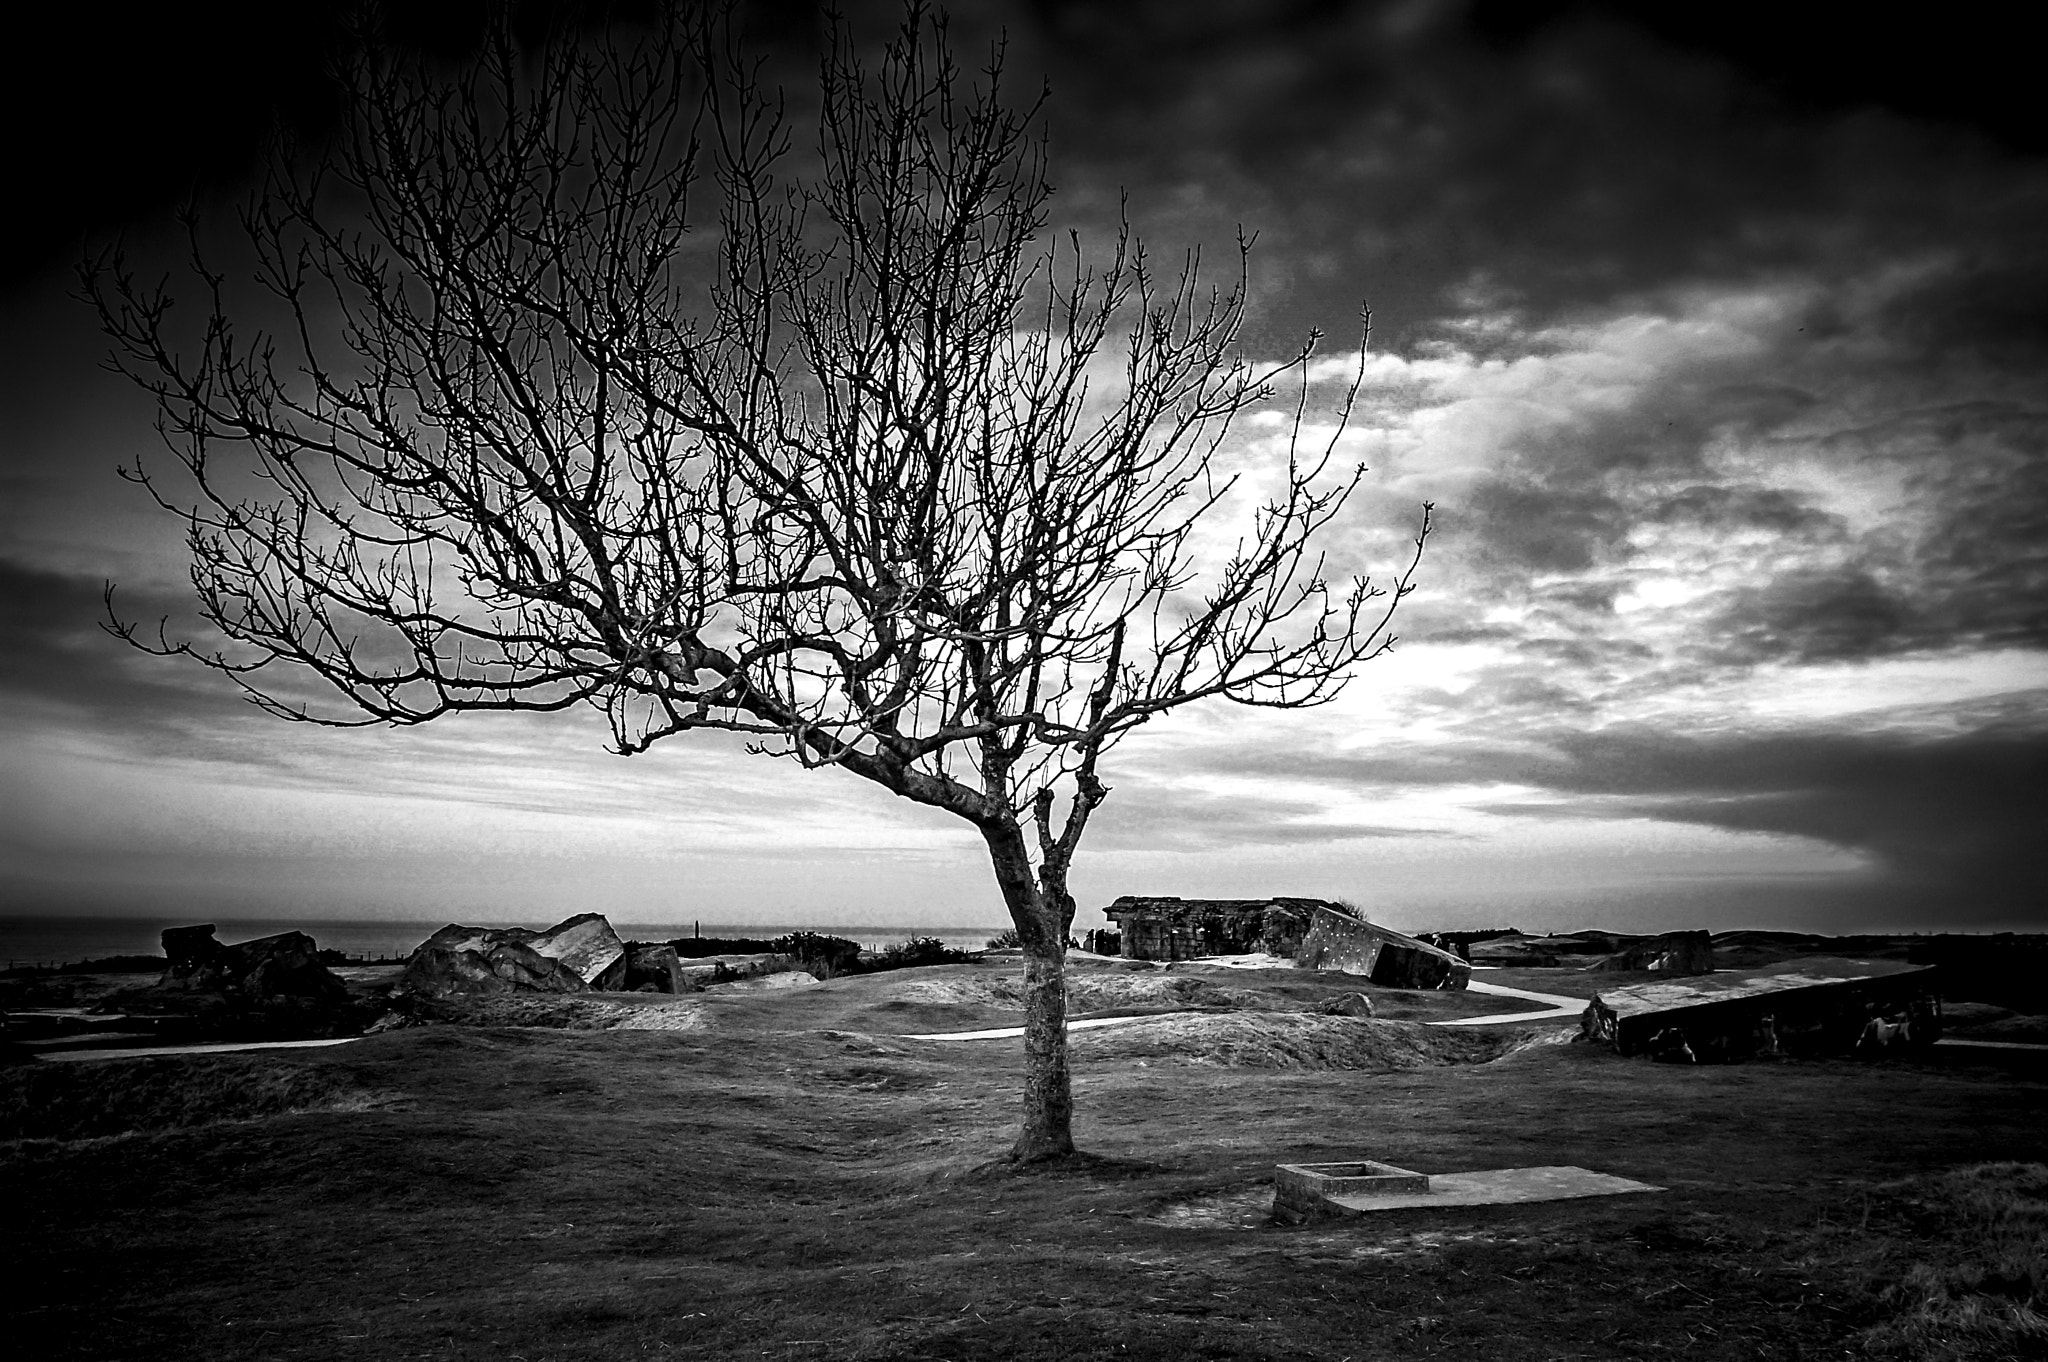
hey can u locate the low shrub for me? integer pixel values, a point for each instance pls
(914, 951)
(696, 947)
(821, 956)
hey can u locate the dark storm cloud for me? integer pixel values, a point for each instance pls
(1858, 496)
(1955, 814)
(1592, 151)
(1985, 553)
(1525, 523)
(1816, 616)
(58, 655)
(1724, 507)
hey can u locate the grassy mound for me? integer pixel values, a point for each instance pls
(112, 1097)
(1293, 1040)
(1092, 992)
(569, 1012)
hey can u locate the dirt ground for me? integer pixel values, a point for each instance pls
(787, 1176)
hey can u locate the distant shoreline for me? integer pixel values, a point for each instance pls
(54, 940)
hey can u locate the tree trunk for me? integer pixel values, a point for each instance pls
(1048, 1087)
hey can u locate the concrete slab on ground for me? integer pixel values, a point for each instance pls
(1497, 1187)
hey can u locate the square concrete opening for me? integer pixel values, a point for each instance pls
(1303, 1187)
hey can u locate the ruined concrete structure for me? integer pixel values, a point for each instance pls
(1809, 1007)
(578, 954)
(285, 966)
(1342, 940)
(1670, 953)
(1164, 927)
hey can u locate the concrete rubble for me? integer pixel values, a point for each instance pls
(1674, 953)
(281, 968)
(579, 954)
(1341, 940)
(653, 968)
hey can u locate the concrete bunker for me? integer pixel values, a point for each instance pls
(1167, 927)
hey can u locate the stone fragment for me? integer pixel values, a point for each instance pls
(654, 968)
(587, 945)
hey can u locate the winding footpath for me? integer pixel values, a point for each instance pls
(1558, 1006)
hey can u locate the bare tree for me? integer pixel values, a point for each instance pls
(883, 478)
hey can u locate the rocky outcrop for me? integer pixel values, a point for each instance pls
(1671, 953)
(1337, 940)
(580, 954)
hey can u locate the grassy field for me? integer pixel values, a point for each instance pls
(785, 1176)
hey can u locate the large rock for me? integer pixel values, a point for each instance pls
(1337, 940)
(578, 954)
(1671, 953)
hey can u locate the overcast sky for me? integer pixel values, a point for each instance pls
(1721, 346)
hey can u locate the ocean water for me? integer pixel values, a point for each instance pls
(60, 940)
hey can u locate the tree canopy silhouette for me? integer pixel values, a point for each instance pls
(881, 474)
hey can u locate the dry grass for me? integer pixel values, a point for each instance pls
(92, 1099)
(1291, 1040)
(1953, 1264)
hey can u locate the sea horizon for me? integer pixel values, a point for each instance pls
(54, 939)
